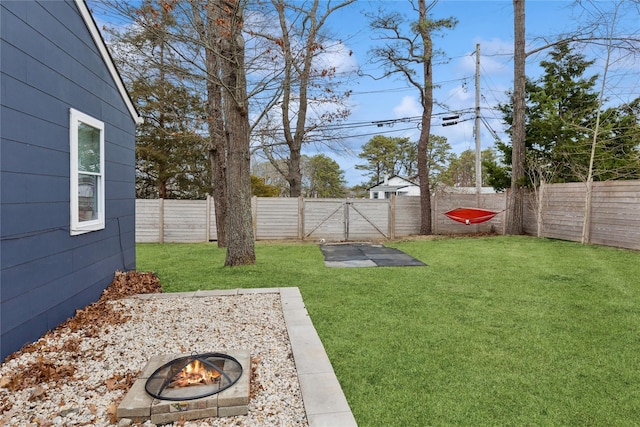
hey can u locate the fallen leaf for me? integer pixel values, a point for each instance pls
(42, 423)
(112, 412)
(36, 393)
(5, 381)
(111, 383)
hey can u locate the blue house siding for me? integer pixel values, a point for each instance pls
(49, 63)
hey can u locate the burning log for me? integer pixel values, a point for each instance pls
(195, 373)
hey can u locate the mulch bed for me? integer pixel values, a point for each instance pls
(92, 319)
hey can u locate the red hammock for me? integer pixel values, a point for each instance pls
(471, 215)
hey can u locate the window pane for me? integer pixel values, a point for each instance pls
(88, 148)
(87, 197)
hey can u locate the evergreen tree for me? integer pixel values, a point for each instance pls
(439, 155)
(387, 155)
(399, 156)
(323, 177)
(171, 154)
(461, 171)
(261, 189)
(407, 51)
(561, 109)
(171, 159)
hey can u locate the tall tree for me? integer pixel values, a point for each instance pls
(398, 156)
(564, 118)
(209, 34)
(207, 39)
(169, 146)
(322, 177)
(388, 155)
(596, 145)
(170, 159)
(298, 46)
(408, 52)
(240, 245)
(588, 33)
(439, 156)
(515, 197)
(462, 169)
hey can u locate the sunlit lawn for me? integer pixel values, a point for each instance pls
(495, 331)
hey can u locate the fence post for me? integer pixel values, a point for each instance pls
(254, 216)
(161, 220)
(586, 224)
(346, 220)
(207, 233)
(300, 218)
(392, 217)
(506, 211)
(539, 213)
(434, 217)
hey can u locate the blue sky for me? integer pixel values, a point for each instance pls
(489, 23)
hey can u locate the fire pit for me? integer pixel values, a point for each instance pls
(188, 387)
(194, 377)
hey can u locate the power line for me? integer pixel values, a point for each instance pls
(408, 88)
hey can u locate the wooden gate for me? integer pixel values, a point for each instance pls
(345, 220)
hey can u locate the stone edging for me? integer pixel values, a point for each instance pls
(324, 400)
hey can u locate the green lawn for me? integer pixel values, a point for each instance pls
(495, 331)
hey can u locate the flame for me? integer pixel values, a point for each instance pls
(195, 373)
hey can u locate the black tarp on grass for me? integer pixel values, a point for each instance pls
(366, 255)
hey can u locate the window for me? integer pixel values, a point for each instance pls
(87, 173)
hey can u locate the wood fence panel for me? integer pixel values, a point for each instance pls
(615, 214)
(324, 219)
(407, 216)
(213, 227)
(147, 220)
(530, 213)
(185, 220)
(368, 219)
(276, 218)
(444, 202)
(563, 211)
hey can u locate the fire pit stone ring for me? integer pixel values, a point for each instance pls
(194, 376)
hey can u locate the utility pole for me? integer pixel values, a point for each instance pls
(477, 129)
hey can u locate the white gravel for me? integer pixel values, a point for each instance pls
(91, 391)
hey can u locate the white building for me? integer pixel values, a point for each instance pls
(394, 185)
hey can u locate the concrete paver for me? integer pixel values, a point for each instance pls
(366, 255)
(324, 400)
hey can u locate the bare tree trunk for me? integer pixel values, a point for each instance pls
(515, 201)
(294, 139)
(586, 226)
(209, 35)
(299, 73)
(240, 248)
(217, 158)
(427, 108)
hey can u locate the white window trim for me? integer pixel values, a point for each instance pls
(77, 226)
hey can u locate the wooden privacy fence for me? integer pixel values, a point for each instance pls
(558, 211)
(283, 218)
(615, 216)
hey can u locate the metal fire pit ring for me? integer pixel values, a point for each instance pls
(156, 384)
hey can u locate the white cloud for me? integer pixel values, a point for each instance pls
(495, 58)
(408, 107)
(338, 56)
